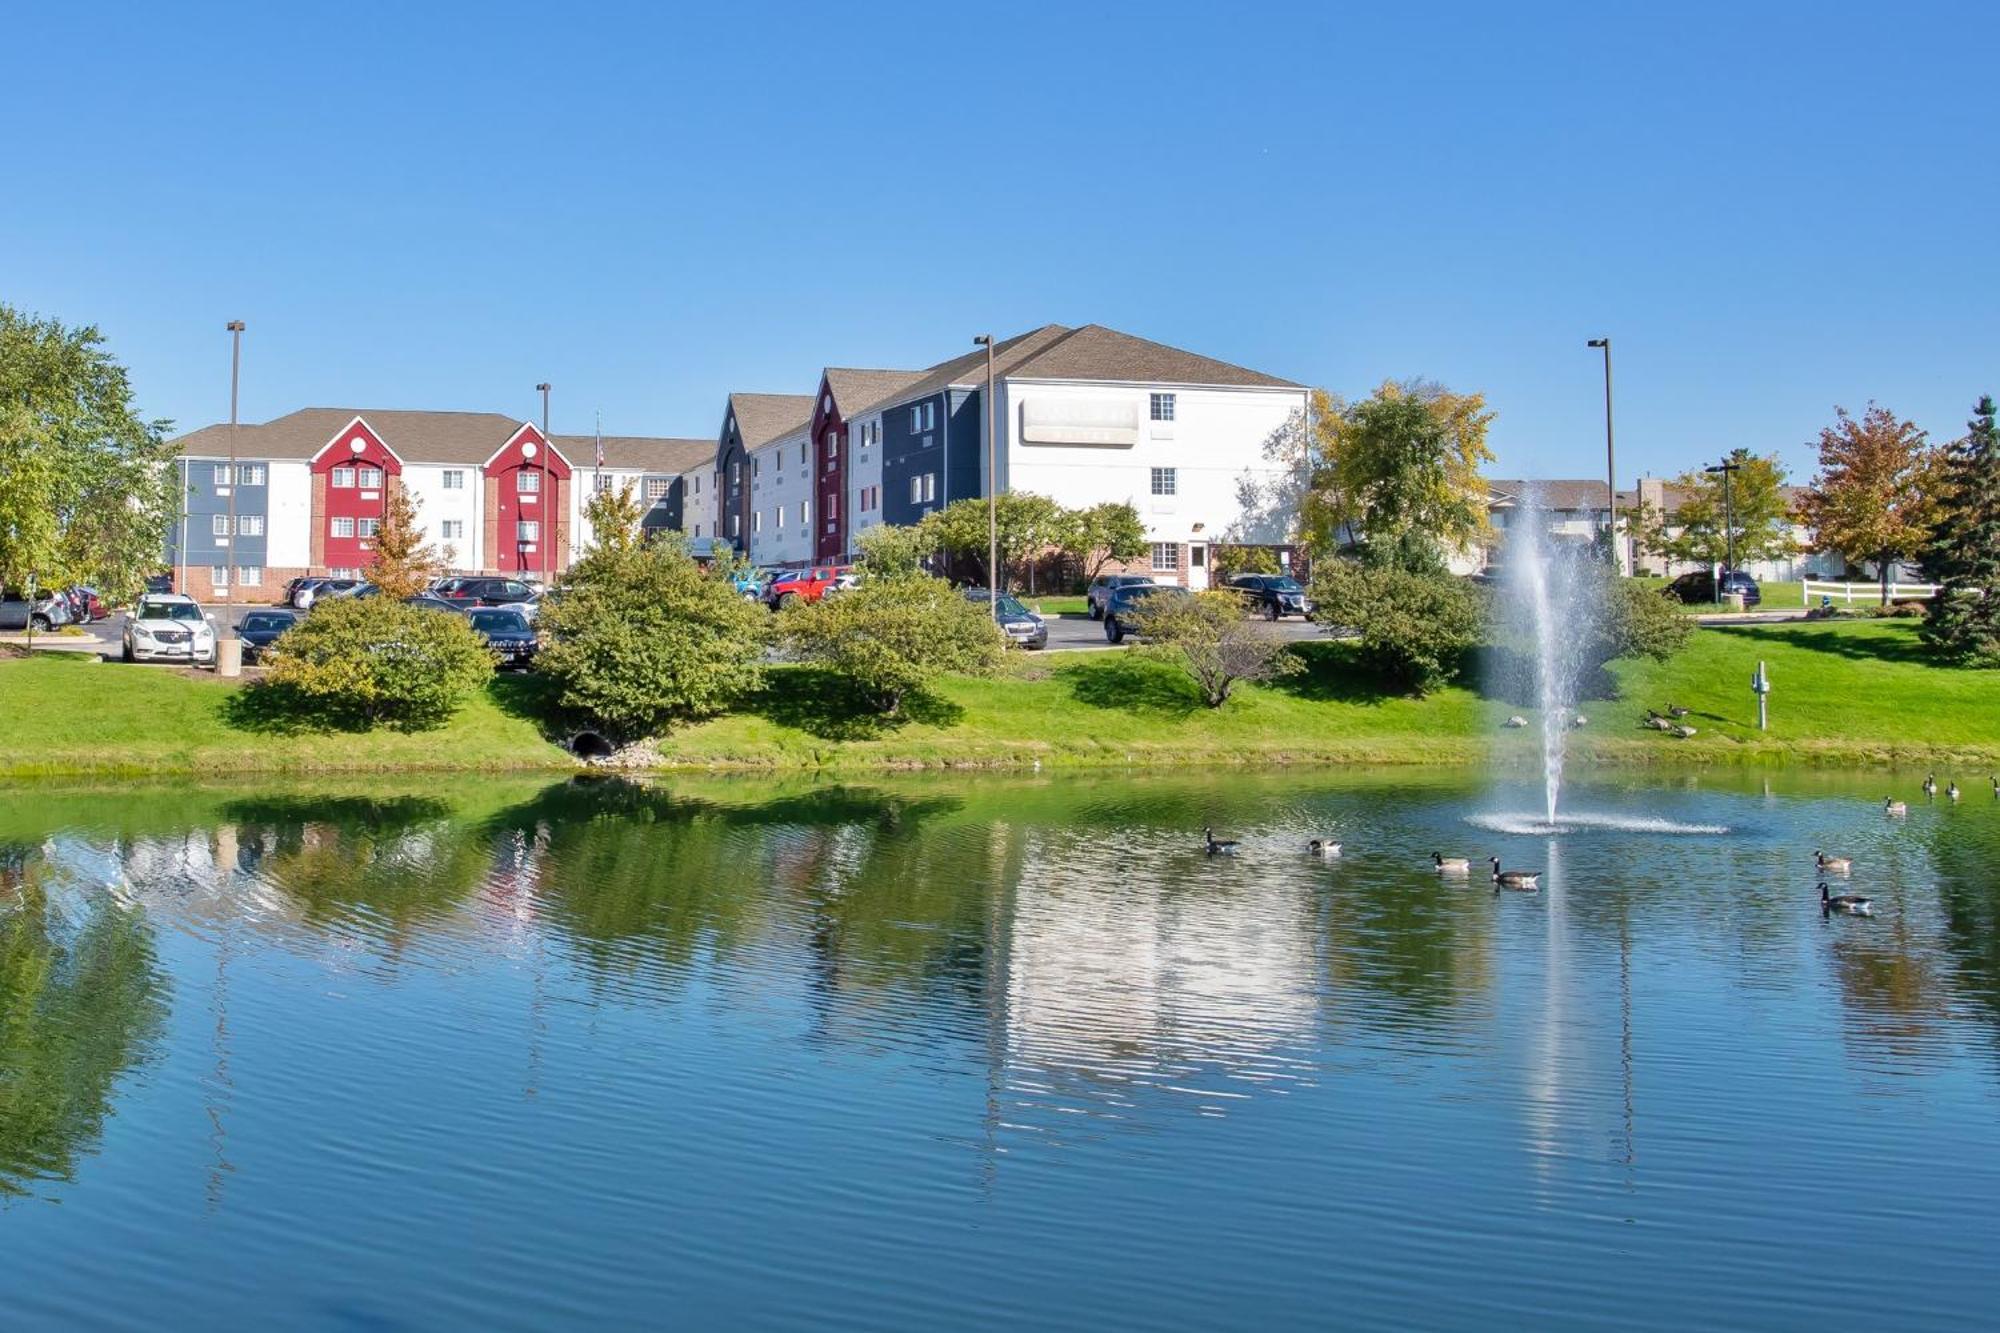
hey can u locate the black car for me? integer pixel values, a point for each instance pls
(1700, 587)
(506, 633)
(477, 591)
(1127, 600)
(260, 629)
(1273, 595)
(159, 583)
(1022, 626)
(1098, 594)
(430, 603)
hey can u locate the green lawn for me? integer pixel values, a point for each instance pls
(1057, 606)
(1777, 597)
(1845, 692)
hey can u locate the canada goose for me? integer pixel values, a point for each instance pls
(1853, 903)
(1451, 865)
(1218, 846)
(1657, 722)
(1323, 847)
(1684, 731)
(1514, 879)
(1951, 791)
(1833, 865)
(1930, 784)
(1996, 789)
(1517, 721)
(1579, 721)
(1894, 808)
(1676, 710)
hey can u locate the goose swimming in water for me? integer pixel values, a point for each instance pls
(1854, 904)
(1952, 791)
(1323, 847)
(1514, 879)
(1930, 784)
(1218, 846)
(1451, 865)
(1894, 808)
(1833, 865)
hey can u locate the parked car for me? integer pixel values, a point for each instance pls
(430, 603)
(159, 583)
(802, 585)
(45, 611)
(260, 629)
(506, 633)
(1699, 586)
(478, 590)
(1023, 627)
(172, 628)
(1099, 592)
(314, 589)
(1125, 600)
(753, 582)
(528, 606)
(90, 606)
(1273, 595)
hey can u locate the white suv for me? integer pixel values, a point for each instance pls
(169, 627)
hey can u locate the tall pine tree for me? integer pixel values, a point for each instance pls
(1964, 622)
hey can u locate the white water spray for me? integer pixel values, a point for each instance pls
(1548, 603)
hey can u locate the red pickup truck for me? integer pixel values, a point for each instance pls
(805, 585)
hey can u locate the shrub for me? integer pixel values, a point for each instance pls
(892, 636)
(639, 638)
(1207, 635)
(367, 660)
(1229, 561)
(1635, 620)
(1415, 629)
(1900, 611)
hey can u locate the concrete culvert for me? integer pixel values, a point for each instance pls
(591, 745)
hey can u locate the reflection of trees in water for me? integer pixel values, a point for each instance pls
(1411, 952)
(1966, 853)
(80, 1004)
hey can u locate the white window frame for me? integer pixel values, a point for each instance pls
(366, 528)
(218, 525)
(218, 575)
(832, 445)
(249, 525)
(368, 477)
(342, 526)
(250, 474)
(805, 513)
(341, 478)
(780, 512)
(452, 529)
(454, 479)
(916, 489)
(527, 482)
(601, 484)
(1161, 408)
(527, 531)
(1166, 481)
(221, 474)
(1172, 551)
(249, 576)
(657, 487)
(756, 521)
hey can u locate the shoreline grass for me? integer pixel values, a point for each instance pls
(1847, 693)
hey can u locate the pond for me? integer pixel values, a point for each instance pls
(939, 1052)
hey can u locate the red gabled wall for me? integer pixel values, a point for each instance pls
(829, 478)
(549, 506)
(356, 446)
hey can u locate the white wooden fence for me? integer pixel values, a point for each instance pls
(1850, 593)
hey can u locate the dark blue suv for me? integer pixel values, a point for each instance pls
(1700, 587)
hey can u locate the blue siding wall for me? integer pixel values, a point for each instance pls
(203, 504)
(968, 460)
(908, 453)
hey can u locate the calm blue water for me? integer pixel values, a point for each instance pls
(937, 1053)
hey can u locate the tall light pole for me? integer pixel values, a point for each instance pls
(1728, 467)
(235, 327)
(547, 516)
(1610, 459)
(992, 486)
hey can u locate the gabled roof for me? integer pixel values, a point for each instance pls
(970, 367)
(1558, 493)
(855, 390)
(763, 417)
(638, 453)
(417, 437)
(1094, 352)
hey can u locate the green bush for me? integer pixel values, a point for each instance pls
(1415, 629)
(639, 638)
(892, 636)
(363, 661)
(1637, 620)
(1207, 635)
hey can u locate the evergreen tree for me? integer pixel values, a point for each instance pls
(1964, 622)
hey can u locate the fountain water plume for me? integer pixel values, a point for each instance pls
(1548, 602)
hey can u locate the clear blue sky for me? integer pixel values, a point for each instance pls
(1772, 209)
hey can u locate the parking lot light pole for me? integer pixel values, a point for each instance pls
(1728, 468)
(1610, 458)
(235, 327)
(546, 516)
(992, 487)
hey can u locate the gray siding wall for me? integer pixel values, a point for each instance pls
(198, 476)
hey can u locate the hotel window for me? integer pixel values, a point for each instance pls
(454, 479)
(656, 487)
(735, 524)
(805, 513)
(219, 575)
(736, 472)
(222, 474)
(218, 524)
(250, 576)
(916, 490)
(1163, 407)
(250, 525)
(600, 483)
(697, 529)
(756, 466)
(832, 446)
(1165, 481)
(526, 482)
(452, 529)
(780, 512)
(367, 527)
(1166, 557)
(697, 483)
(527, 531)
(343, 527)
(757, 520)
(250, 474)
(369, 478)
(342, 479)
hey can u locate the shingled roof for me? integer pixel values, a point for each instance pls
(1558, 493)
(1094, 352)
(854, 390)
(419, 437)
(763, 417)
(638, 453)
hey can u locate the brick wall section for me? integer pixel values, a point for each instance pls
(318, 520)
(201, 587)
(559, 558)
(489, 520)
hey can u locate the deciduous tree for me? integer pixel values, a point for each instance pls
(1877, 493)
(1103, 534)
(1207, 635)
(1027, 525)
(1754, 511)
(893, 637)
(615, 517)
(405, 563)
(1964, 621)
(1400, 470)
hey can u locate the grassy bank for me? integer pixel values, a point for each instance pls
(1845, 693)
